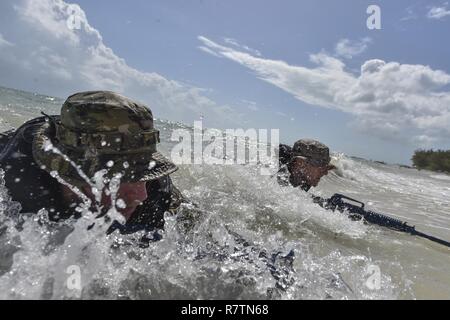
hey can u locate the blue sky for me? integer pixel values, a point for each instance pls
(293, 65)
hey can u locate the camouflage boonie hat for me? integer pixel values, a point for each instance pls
(316, 152)
(101, 130)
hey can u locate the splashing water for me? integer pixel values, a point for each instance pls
(333, 255)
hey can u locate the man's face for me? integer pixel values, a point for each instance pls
(303, 171)
(133, 194)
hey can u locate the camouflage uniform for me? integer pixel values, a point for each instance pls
(314, 152)
(96, 130)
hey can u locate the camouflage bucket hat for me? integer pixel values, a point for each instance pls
(100, 130)
(314, 151)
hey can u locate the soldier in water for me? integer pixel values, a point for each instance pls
(68, 163)
(56, 162)
(304, 164)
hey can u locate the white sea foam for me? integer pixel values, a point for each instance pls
(332, 253)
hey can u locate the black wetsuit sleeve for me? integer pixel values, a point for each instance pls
(26, 182)
(5, 137)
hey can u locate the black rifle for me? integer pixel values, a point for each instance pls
(357, 212)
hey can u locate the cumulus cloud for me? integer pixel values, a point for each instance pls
(347, 49)
(388, 99)
(439, 12)
(51, 57)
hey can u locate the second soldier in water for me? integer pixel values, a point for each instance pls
(304, 164)
(61, 163)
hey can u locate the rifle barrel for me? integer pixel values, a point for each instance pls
(336, 201)
(423, 235)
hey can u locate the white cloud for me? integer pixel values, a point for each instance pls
(410, 14)
(236, 44)
(424, 141)
(207, 50)
(51, 58)
(347, 49)
(251, 105)
(439, 12)
(4, 42)
(391, 100)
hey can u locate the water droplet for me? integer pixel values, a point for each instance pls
(110, 163)
(120, 204)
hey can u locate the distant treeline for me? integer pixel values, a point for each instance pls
(438, 160)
